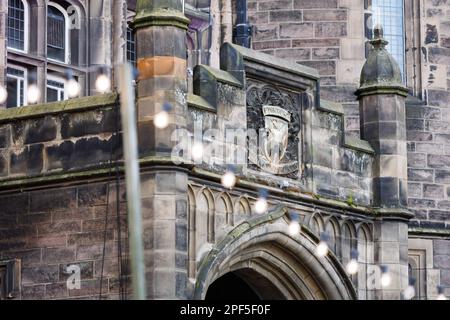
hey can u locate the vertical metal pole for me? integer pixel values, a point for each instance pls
(130, 147)
(242, 30)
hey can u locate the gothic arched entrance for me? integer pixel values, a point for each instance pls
(244, 284)
(261, 258)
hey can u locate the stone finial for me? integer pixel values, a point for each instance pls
(378, 31)
(381, 71)
(378, 41)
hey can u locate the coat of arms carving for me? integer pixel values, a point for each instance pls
(276, 117)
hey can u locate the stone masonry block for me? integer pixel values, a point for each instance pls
(313, 4)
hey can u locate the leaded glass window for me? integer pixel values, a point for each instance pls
(131, 46)
(17, 24)
(390, 14)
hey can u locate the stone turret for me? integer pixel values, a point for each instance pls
(382, 112)
(160, 27)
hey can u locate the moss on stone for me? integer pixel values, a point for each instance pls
(84, 173)
(72, 105)
(54, 177)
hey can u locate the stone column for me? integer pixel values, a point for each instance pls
(119, 32)
(3, 59)
(382, 111)
(160, 27)
(100, 35)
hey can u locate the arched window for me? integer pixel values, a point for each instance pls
(57, 33)
(18, 25)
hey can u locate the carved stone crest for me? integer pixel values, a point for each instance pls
(276, 116)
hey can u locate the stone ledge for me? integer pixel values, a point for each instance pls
(219, 75)
(269, 60)
(429, 232)
(86, 173)
(198, 102)
(72, 105)
(357, 144)
(412, 101)
(208, 82)
(330, 106)
(430, 228)
(393, 213)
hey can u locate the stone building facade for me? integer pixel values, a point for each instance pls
(364, 154)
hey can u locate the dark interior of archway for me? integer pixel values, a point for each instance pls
(243, 284)
(231, 287)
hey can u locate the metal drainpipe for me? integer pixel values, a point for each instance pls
(242, 30)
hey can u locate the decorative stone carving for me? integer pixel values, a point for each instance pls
(275, 114)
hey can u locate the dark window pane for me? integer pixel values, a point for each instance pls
(55, 91)
(56, 34)
(52, 95)
(12, 93)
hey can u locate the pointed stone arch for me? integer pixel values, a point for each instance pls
(365, 258)
(262, 249)
(348, 240)
(192, 252)
(225, 204)
(316, 223)
(210, 212)
(242, 207)
(333, 229)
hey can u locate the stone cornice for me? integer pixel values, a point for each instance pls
(161, 17)
(393, 213)
(429, 232)
(88, 173)
(386, 88)
(149, 162)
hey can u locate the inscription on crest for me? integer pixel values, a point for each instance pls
(277, 112)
